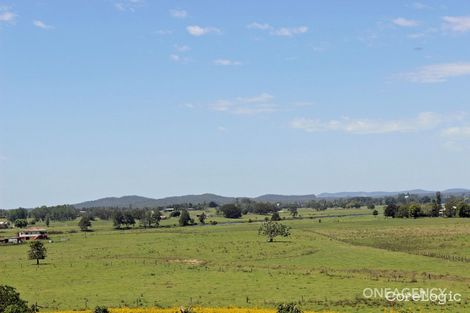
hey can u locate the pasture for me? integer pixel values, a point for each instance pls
(323, 266)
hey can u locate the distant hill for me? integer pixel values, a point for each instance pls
(140, 202)
(378, 194)
(282, 198)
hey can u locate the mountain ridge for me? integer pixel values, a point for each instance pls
(139, 201)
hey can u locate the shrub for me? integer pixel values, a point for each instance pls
(288, 308)
(101, 309)
(185, 218)
(272, 229)
(20, 223)
(275, 216)
(231, 211)
(175, 214)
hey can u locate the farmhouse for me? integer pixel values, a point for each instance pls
(33, 233)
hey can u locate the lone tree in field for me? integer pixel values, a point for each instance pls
(275, 216)
(85, 223)
(437, 205)
(185, 218)
(202, 218)
(231, 211)
(294, 212)
(272, 229)
(37, 251)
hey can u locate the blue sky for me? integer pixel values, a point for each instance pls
(239, 98)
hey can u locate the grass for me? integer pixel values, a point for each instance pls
(323, 266)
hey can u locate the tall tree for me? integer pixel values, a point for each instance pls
(37, 251)
(185, 218)
(272, 229)
(437, 205)
(85, 223)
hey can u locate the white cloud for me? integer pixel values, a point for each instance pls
(420, 6)
(226, 62)
(42, 25)
(403, 22)
(437, 73)
(221, 129)
(129, 5)
(457, 133)
(8, 17)
(246, 106)
(197, 31)
(179, 13)
(178, 58)
(457, 23)
(289, 31)
(281, 31)
(424, 121)
(261, 98)
(259, 26)
(456, 138)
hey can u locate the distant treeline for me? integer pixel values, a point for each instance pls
(54, 213)
(408, 207)
(402, 205)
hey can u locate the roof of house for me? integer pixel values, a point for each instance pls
(35, 229)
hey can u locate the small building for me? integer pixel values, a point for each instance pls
(33, 233)
(12, 240)
(4, 225)
(168, 209)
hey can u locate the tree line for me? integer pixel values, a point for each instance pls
(453, 207)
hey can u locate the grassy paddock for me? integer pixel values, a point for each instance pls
(323, 266)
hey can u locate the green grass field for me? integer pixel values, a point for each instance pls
(322, 265)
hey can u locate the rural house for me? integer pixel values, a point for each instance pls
(33, 233)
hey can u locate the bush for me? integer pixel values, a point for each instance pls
(185, 218)
(288, 308)
(175, 214)
(231, 211)
(101, 309)
(20, 223)
(272, 229)
(275, 216)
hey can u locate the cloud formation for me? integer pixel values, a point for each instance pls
(262, 103)
(424, 121)
(459, 24)
(403, 22)
(129, 5)
(197, 31)
(178, 13)
(281, 31)
(226, 62)
(42, 25)
(437, 73)
(7, 17)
